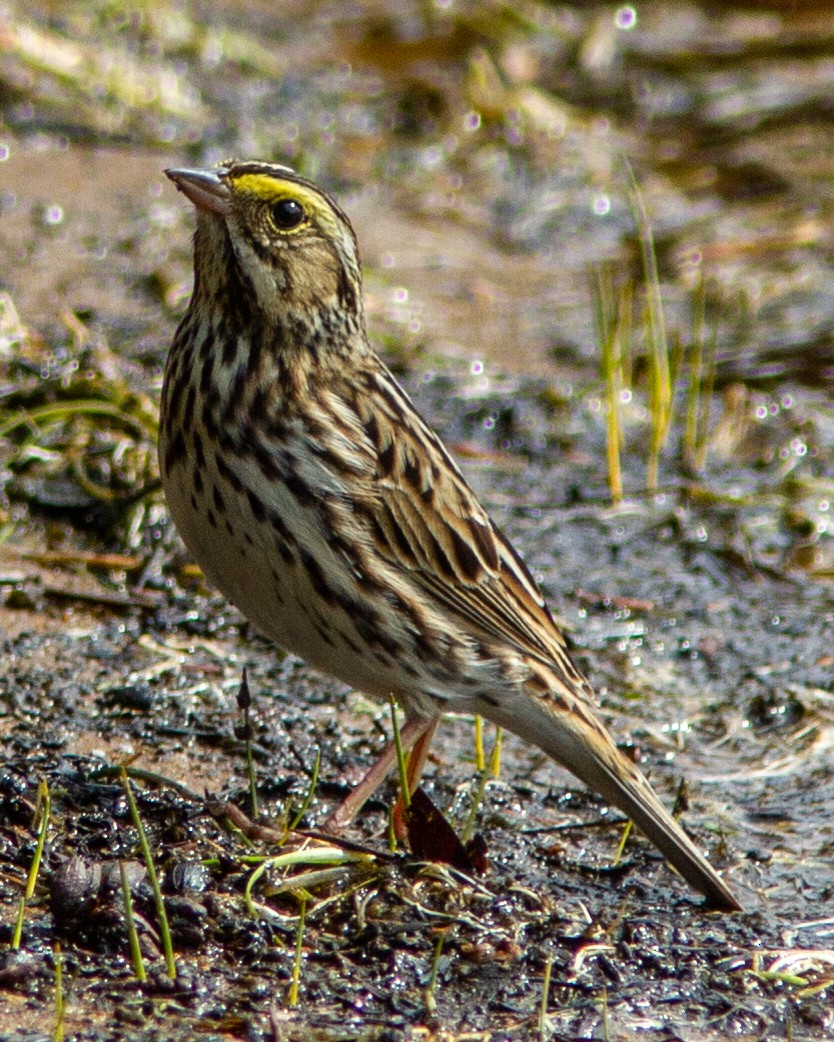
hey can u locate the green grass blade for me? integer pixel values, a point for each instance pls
(153, 878)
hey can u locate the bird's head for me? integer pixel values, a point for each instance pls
(267, 232)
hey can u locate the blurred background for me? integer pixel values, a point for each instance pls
(483, 150)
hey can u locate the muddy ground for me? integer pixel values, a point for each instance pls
(481, 154)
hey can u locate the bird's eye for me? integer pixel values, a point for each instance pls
(287, 214)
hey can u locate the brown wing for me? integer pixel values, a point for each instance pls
(429, 521)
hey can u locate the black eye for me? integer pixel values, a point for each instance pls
(287, 214)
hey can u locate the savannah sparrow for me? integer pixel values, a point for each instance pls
(319, 502)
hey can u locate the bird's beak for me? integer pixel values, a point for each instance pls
(207, 189)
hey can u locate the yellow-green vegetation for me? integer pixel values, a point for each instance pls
(42, 812)
(631, 326)
(130, 924)
(147, 855)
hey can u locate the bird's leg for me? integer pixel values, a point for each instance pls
(415, 735)
(413, 773)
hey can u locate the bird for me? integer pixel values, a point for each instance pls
(314, 496)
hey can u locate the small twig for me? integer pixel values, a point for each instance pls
(89, 558)
(148, 601)
(604, 600)
(251, 830)
(573, 826)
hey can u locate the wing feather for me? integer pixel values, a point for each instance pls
(429, 521)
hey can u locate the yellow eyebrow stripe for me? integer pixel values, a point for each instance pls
(272, 189)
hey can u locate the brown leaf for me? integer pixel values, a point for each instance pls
(432, 838)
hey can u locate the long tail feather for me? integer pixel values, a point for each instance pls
(580, 743)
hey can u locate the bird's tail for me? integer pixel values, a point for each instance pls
(575, 737)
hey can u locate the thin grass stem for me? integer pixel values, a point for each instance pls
(544, 1028)
(618, 854)
(477, 799)
(311, 790)
(153, 879)
(58, 1033)
(660, 380)
(706, 398)
(696, 363)
(292, 997)
(42, 813)
(480, 759)
(495, 758)
(391, 832)
(401, 765)
(431, 1001)
(44, 809)
(334, 856)
(143, 426)
(130, 923)
(614, 430)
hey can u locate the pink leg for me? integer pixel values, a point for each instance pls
(415, 734)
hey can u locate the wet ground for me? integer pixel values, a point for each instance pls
(480, 150)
